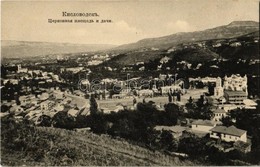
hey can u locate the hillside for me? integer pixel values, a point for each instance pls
(20, 49)
(234, 29)
(34, 146)
(193, 53)
(200, 46)
(133, 57)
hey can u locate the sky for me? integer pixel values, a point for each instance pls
(131, 20)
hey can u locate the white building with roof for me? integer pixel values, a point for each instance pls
(176, 131)
(218, 114)
(249, 104)
(234, 89)
(228, 134)
(235, 83)
(73, 112)
(235, 97)
(46, 105)
(203, 126)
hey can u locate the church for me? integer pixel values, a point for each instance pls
(234, 89)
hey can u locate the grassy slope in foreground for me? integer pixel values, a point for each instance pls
(90, 149)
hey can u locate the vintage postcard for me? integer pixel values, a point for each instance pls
(130, 83)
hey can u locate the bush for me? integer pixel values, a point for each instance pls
(23, 137)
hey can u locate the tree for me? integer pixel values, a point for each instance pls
(45, 120)
(63, 120)
(98, 123)
(167, 142)
(190, 105)
(172, 113)
(200, 85)
(4, 108)
(211, 87)
(93, 105)
(200, 109)
(169, 97)
(189, 145)
(227, 121)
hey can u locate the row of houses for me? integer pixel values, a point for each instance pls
(203, 127)
(49, 103)
(215, 132)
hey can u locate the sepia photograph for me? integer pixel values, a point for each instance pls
(130, 83)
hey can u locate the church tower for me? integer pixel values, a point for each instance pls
(218, 90)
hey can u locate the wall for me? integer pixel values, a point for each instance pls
(229, 138)
(202, 128)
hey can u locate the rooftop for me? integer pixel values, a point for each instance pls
(219, 111)
(231, 130)
(80, 102)
(175, 129)
(235, 93)
(249, 102)
(203, 122)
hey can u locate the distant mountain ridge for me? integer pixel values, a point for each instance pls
(234, 29)
(21, 49)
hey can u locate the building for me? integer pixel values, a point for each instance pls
(235, 97)
(57, 94)
(249, 104)
(11, 81)
(176, 131)
(25, 100)
(203, 126)
(81, 103)
(139, 63)
(46, 105)
(21, 70)
(94, 62)
(229, 107)
(218, 114)
(234, 89)
(228, 134)
(145, 93)
(205, 80)
(235, 83)
(235, 44)
(73, 112)
(16, 110)
(142, 68)
(218, 90)
(74, 70)
(165, 59)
